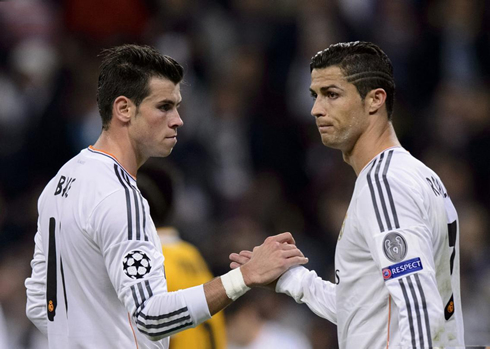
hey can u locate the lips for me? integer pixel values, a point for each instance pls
(324, 127)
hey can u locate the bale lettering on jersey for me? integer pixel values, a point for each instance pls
(136, 264)
(403, 268)
(63, 190)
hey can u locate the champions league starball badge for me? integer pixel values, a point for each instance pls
(394, 247)
(136, 264)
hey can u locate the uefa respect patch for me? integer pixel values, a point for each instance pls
(403, 268)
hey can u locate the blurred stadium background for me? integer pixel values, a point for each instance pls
(250, 159)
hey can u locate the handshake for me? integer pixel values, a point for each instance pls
(267, 262)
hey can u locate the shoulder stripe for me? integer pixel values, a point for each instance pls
(138, 202)
(373, 198)
(140, 304)
(424, 308)
(139, 209)
(388, 189)
(148, 288)
(128, 204)
(380, 192)
(376, 176)
(144, 216)
(138, 199)
(135, 297)
(409, 311)
(417, 311)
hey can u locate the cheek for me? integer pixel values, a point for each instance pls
(156, 123)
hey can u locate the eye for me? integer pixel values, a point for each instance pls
(165, 107)
(313, 95)
(332, 95)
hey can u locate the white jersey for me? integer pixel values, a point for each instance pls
(98, 277)
(396, 262)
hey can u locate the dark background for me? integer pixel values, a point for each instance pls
(249, 160)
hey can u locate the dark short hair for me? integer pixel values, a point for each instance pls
(364, 64)
(126, 71)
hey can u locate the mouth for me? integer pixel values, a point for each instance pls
(324, 127)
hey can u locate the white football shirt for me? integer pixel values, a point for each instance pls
(98, 278)
(396, 262)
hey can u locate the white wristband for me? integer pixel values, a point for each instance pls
(234, 284)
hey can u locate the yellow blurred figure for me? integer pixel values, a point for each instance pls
(184, 265)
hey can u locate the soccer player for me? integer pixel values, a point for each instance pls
(397, 256)
(184, 265)
(98, 270)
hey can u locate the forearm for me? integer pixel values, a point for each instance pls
(304, 286)
(216, 296)
(166, 313)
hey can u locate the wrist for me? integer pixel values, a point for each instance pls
(234, 284)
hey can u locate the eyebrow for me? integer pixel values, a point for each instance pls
(168, 101)
(324, 89)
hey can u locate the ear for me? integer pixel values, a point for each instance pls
(122, 109)
(376, 99)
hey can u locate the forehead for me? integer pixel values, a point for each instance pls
(162, 88)
(328, 76)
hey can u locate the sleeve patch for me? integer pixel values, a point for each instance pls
(403, 268)
(136, 264)
(395, 247)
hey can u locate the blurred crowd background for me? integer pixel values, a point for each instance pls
(249, 160)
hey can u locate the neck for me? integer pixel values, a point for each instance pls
(369, 145)
(120, 147)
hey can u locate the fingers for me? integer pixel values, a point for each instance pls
(283, 238)
(246, 254)
(296, 261)
(292, 252)
(234, 265)
(241, 258)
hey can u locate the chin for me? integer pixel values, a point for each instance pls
(167, 153)
(331, 144)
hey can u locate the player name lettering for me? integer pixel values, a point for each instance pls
(64, 185)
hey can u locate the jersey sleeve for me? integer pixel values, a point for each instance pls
(135, 267)
(305, 286)
(36, 288)
(394, 221)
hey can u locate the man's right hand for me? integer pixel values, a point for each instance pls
(268, 261)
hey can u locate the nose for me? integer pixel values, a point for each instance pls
(318, 110)
(176, 121)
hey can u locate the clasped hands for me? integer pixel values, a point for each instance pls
(267, 262)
